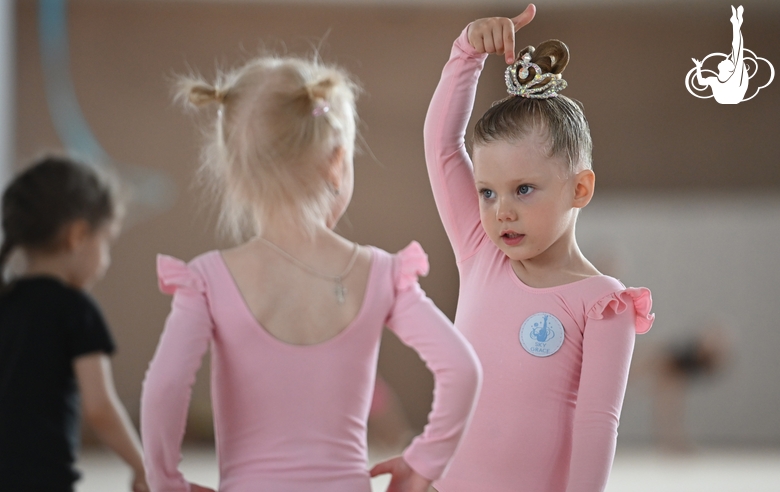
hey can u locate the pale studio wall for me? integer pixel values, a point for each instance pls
(627, 68)
(709, 258)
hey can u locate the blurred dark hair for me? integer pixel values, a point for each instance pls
(47, 196)
(561, 118)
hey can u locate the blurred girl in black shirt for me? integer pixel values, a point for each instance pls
(54, 344)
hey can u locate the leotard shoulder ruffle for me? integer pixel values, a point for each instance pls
(618, 301)
(410, 263)
(173, 274)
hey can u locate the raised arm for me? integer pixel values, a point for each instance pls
(449, 166)
(168, 385)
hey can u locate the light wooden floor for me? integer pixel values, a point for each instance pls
(714, 470)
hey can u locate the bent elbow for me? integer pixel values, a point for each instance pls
(97, 412)
(469, 371)
(475, 378)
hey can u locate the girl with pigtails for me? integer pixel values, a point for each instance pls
(554, 336)
(293, 315)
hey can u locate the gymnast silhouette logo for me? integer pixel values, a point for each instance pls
(542, 334)
(735, 70)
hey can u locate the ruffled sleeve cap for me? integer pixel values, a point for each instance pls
(410, 263)
(617, 302)
(173, 274)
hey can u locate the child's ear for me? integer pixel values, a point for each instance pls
(76, 233)
(336, 168)
(584, 184)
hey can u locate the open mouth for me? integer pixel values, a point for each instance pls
(511, 238)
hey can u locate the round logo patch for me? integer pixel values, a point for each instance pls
(541, 334)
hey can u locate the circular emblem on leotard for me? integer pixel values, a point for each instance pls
(541, 334)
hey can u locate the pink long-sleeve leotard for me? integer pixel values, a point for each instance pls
(290, 417)
(542, 424)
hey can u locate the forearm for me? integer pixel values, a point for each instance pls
(114, 428)
(453, 101)
(103, 410)
(166, 396)
(593, 451)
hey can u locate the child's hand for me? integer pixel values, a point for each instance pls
(497, 34)
(404, 478)
(139, 482)
(199, 488)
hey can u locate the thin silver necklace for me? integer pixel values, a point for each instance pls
(341, 291)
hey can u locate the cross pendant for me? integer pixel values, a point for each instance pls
(341, 292)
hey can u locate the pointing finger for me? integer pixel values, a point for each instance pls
(509, 46)
(524, 18)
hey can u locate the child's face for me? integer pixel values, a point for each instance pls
(525, 196)
(92, 255)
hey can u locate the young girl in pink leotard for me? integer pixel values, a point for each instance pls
(293, 316)
(554, 336)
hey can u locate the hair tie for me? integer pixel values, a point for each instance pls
(200, 94)
(320, 108)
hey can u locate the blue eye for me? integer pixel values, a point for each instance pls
(486, 194)
(525, 189)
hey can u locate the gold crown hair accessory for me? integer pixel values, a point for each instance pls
(519, 70)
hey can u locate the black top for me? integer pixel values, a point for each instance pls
(44, 326)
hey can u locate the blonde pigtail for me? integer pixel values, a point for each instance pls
(322, 88)
(319, 94)
(197, 92)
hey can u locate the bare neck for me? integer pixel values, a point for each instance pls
(299, 242)
(562, 263)
(57, 265)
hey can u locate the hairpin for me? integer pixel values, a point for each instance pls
(519, 70)
(320, 108)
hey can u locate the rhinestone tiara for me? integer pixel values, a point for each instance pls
(519, 70)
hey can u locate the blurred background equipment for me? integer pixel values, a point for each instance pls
(694, 357)
(147, 191)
